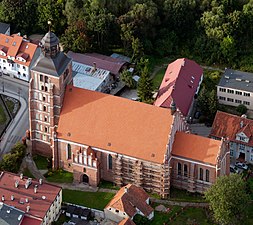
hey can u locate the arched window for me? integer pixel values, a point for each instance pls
(201, 174)
(207, 175)
(185, 170)
(179, 169)
(109, 162)
(69, 151)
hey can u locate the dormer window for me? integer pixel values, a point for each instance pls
(6, 40)
(14, 43)
(242, 137)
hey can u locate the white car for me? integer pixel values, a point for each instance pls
(234, 169)
(241, 165)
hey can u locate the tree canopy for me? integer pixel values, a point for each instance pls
(228, 199)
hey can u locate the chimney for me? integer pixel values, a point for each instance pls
(26, 200)
(125, 189)
(12, 197)
(16, 183)
(173, 108)
(241, 124)
(3, 198)
(27, 208)
(94, 67)
(28, 183)
(21, 176)
(35, 188)
(40, 181)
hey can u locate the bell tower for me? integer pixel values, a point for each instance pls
(49, 77)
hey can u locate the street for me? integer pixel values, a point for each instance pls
(16, 130)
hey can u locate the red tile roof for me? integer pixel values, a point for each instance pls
(126, 221)
(228, 125)
(180, 83)
(38, 205)
(30, 221)
(115, 124)
(21, 47)
(197, 148)
(102, 61)
(129, 198)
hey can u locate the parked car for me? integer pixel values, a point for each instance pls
(234, 169)
(241, 165)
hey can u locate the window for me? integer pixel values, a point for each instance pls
(201, 174)
(222, 89)
(46, 79)
(207, 175)
(45, 118)
(238, 101)
(238, 92)
(44, 108)
(69, 151)
(246, 103)
(179, 169)
(231, 152)
(42, 87)
(185, 170)
(41, 77)
(44, 137)
(230, 99)
(246, 94)
(24, 75)
(18, 73)
(18, 65)
(45, 88)
(222, 98)
(116, 210)
(109, 162)
(230, 91)
(242, 138)
(46, 130)
(251, 157)
(44, 98)
(241, 147)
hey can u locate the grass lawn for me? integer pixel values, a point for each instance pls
(97, 200)
(192, 216)
(27, 173)
(41, 162)
(10, 105)
(59, 176)
(157, 80)
(108, 185)
(2, 115)
(161, 217)
(184, 196)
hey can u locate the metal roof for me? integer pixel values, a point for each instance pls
(50, 40)
(237, 80)
(4, 27)
(10, 215)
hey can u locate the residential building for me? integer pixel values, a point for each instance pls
(236, 88)
(129, 201)
(180, 85)
(114, 65)
(238, 131)
(17, 56)
(99, 136)
(40, 201)
(5, 28)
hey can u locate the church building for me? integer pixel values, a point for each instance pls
(103, 137)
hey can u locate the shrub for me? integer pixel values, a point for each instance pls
(242, 109)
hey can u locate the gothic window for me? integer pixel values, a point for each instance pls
(185, 170)
(44, 108)
(41, 77)
(207, 175)
(46, 129)
(201, 174)
(69, 151)
(45, 88)
(109, 162)
(46, 79)
(179, 169)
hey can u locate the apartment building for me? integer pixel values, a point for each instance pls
(236, 88)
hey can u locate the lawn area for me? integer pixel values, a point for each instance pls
(41, 162)
(27, 173)
(157, 80)
(2, 115)
(59, 176)
(192, 216)
(185, 196)
(108, 185)
(97, 200)
(161, 217)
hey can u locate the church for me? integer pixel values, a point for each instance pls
(104, 137)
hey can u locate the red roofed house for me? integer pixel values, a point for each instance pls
(239, 131)
(17, 56)
(40, 201)
(181, 82)
(129, 201)
(98, 136)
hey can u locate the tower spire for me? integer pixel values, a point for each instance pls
(49, 22)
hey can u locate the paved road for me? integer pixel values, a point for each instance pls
(16, 130)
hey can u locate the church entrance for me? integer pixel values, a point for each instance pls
(85, 179)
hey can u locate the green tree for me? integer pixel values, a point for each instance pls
(228, 199)
(212, 103)
(242, 109)
(228, 49)
(203, 101)
(145, 85)
(127, 77)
